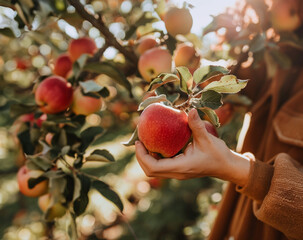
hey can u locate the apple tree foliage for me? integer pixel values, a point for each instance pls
(33, 33)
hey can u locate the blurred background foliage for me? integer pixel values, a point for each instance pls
(34, 33)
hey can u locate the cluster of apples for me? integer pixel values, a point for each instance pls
(45, 200)
(155, 59)
(55, 94)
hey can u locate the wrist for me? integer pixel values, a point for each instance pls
(238, 169)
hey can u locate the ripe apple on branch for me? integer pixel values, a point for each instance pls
(163, 124)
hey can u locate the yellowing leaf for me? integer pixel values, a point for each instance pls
(227, 84)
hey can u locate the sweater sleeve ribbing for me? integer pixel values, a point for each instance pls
(277, 191)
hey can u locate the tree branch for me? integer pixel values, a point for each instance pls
(99, 24)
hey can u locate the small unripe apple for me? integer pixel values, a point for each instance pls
(23, 175)
(225, 113)
(163, 129)
(63, 65)
(54, 95)
(80, 46)
(211, 128)
(55, 211)
(186, 55)
(145, 43)
(285, 15)
(178, 21)
(85, 105)
(153, 62)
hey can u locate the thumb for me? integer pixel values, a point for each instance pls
(196, 125)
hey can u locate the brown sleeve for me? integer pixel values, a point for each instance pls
(278, 193)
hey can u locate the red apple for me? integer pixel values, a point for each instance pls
(57, 210)
(186, 55)
(155, 182)
(81, 46)
(145, 43)
(54, 95)
(23, 175)
(178, 21)
(211, 129)
(285, 15)
(63, 65)
(22, 64)
(163, 129)
(225, 113)
(153, 62)
(85, 105)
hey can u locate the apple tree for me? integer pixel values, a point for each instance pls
(75, 76)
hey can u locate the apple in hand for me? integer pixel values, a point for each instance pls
(211, 129)
(225, 113)
(145, 43)
(63, 66)
(163, 129)
(57, 210)
(186, 55)
(80, 46)
(85, 105)
(23, 175)
(285, 15)
(178, 21)
(153, 62)
(54, 95)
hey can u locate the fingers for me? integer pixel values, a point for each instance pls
(166, 167)
(197, 126)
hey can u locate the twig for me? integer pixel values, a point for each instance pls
(99, 24)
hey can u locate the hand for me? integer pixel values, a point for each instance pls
(207, 155)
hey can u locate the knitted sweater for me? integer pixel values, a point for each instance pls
(270, 206)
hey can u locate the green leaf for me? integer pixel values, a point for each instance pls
(89, 135)
(101, 156)
(258, 43)
(71, 226)
(24, 138)
(227, 84)
(91, 88)
(32, 182)
(81, 202)
(143, 20)
(204, 73)
(162, 79)
(211, 99)
(185, 76)
(109, 70)
(108, 193)
(150, 100)
(42, 162)
(20, 109)
(211, 114)
(60, 138)
(134, 137)
(7, 32)
(171, 43)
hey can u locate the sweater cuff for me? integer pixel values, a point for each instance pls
(259, 180)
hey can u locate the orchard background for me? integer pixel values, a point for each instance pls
(74, 77)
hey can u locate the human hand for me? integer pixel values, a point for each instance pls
(207, 155)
